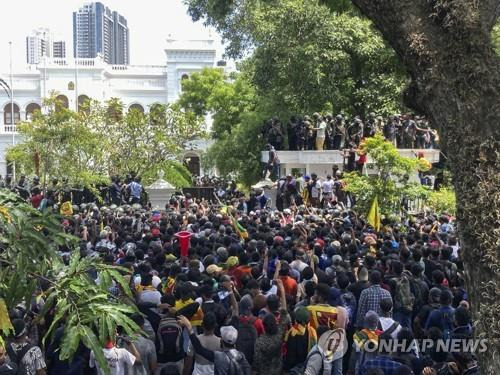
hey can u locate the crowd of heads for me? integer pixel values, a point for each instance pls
(260, 288)
(328, 132)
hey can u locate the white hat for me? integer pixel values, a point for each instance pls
(229, 334)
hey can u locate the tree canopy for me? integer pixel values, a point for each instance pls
(307, 59)
(102, 140)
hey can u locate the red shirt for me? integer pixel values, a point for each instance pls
(36, 199)
(239, 272)
(257, 323)
(290, 285)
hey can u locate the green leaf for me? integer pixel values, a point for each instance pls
(91, 341)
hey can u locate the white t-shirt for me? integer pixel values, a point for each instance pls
(320, 133)
(386, 323)
(298, 265)
(149, 296)
(315, 190)
(117, 358)
(156, 281)
(328, 186)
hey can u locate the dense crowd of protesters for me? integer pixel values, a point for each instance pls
(267, 292)
(326, 132)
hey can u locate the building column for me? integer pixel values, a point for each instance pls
(308, 169)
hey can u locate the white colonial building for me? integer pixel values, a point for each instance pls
(136, 86)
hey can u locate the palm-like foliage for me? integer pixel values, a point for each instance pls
(30, 266)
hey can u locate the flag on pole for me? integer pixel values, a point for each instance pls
(242, 232)
(374, 215)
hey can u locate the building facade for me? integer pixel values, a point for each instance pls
(59, 49)
(99, 31)
(40, 44)
(74, 81)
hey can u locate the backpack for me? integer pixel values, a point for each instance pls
(235, 367)
(450, 271)
(447, 319)
(326, 365)
(418, 293)
(247, 335)
(349, 302)
(171, 340)
(404, 299)
(389, 331)
(17, 356)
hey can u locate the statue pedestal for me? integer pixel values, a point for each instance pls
(270, 190)
(160, 192)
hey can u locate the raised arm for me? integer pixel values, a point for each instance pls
(209, 355)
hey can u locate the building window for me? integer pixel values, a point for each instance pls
(62, 100)
(136, 107)
(84, 103)
(71, 86)
(30, 110)
(7, 114)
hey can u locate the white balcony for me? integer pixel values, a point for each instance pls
(321, 162)
(336, 156)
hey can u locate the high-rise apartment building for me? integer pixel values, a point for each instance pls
(97, 30)
(59, 49)
(40, 44)
(37, 45)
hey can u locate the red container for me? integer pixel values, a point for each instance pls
(184, 239)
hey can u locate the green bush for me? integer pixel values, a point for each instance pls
(443, 200)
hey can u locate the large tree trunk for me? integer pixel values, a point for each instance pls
(445, 45)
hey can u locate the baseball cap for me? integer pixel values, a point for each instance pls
(371, 319)
(229, 334)
(222, 254)
(232, 261)
(213, 269)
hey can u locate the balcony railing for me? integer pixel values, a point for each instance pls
(10, 128)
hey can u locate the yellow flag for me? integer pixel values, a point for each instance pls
(374, 215)
(66, 209)
(5, 324)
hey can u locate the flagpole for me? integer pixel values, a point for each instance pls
(76, 76)
(12, 113)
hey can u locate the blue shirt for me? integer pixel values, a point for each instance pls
(135, 189)
(441, 318)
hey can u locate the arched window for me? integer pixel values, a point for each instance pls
(184, 76)
(157, 114)
(71, 86)
(83, 103)
(136, 107)
(30, 110)
(63, 101)
(7, 114)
